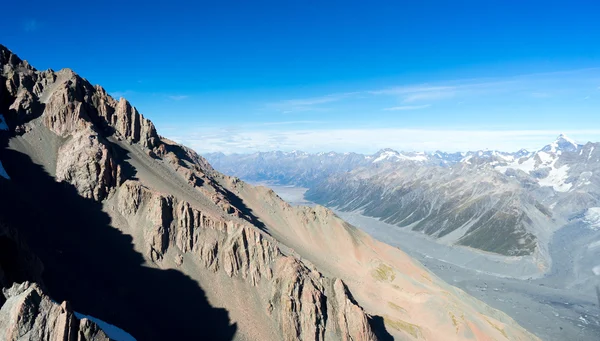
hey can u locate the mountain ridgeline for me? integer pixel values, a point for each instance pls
(505, 203)
(121, 224)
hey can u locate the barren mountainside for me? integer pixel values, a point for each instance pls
(100, 211)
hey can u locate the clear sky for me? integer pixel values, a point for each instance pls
(332, 75)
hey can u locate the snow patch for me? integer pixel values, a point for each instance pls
(3, 172)
(3, 125)
(593, 246)
(545, 157)
(110, 330)
(385, 156)
(505, 158)
(591, 150)
(556, 179)
(393, 155)
(418, 157)
(592, 217)
(526, 166)
(467, 159)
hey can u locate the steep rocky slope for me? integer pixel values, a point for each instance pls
(142, 233)
(475, 207)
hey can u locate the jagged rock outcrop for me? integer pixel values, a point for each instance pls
(302, 304)
(177, 211)
(28, 314)
(351, 319)
(88, 164)
(300, 297)
(237, 249)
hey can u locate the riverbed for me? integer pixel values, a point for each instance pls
(558, 305)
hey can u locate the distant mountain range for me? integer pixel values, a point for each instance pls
(508, 203)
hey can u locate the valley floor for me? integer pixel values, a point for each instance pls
(561, 305)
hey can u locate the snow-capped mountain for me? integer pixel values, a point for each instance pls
(561, 144)
(502, 202)
(392, 155)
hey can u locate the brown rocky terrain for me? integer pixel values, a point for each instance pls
(28, 314)
(144, 234)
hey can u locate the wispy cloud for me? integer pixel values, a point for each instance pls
(371, 140)
(286, 123)
(31, 25)
(539, 85)
(411, 89)
(408, 107)
(429, 96)
(316, 100)
(119, 94)
(308, 104)
(178, 97)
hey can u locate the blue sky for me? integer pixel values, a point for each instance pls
(344, 76)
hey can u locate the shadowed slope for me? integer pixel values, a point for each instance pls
(94, 266)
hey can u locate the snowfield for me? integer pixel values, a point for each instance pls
(110, 330)
(592, 217)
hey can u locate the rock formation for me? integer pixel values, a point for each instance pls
(28, 314)
(173, 208)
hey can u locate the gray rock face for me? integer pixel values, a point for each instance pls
(28, 314)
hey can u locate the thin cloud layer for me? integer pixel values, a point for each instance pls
(512, 88)
(371, 140)
(408, 107)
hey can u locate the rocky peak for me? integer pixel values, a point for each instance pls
(521, 153)
(385, 154)
(7, 57)
(562, 144)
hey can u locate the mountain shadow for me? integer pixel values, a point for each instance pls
(377, 325)
(94, 266)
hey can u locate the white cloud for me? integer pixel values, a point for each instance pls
(429, 96)
(178, 97)
(308, 104)
(371, 140)
(119, 94)
(316, 100)
(403, 90)
(538, 85)
(408, 107)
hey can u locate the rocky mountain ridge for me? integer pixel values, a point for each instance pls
(95, 201)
